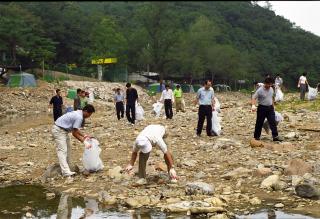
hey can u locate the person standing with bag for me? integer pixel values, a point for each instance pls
(167, 96)
(205, 98)
(131, 98)
(303, 85)
(265, 97)
(70, 122)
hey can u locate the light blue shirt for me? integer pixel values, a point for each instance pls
(205, 96)
(118, 97)
(71, 120)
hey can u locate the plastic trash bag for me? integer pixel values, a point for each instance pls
(217, 105)
(216, 127)
(279, 95)
(157, 108)
(312, 94)
(139, 112)
(91, 160)
(278, 116)
(91, 96)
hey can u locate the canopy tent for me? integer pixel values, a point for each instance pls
(22, 79)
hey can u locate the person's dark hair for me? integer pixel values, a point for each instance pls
(304, 73)
(128, 85)
(89, 108)
(78, 90)
(118, 89)
(268, 81)
(178, 85)
(167, 85)
(57, 90)
(206, 82)
(278, 75)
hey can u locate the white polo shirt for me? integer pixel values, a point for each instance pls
(302, 79)
(167, 95)
(71, 120)
(150, 135)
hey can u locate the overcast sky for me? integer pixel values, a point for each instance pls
(305, 14)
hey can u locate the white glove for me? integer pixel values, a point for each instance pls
(87, 144)
(253, 108)
(129, 168)
(173, 174)
(49, 110)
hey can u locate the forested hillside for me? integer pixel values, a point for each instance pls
(238, 40)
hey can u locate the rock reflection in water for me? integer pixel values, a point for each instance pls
(271, 214)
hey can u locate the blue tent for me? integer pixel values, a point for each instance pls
(22, 79)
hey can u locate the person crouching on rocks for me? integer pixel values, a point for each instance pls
(70, 122)
(151, 135)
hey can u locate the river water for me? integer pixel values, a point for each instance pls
(20, 201)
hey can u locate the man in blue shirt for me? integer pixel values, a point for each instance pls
(70, 122)
(205, 98)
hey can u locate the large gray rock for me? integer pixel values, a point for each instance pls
(307, 191)
(199, 188)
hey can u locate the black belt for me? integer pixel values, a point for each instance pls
(265, 106)
(62, 128)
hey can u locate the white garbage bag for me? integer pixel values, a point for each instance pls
(91, 160)
(157, 108)
(139, 112)
(217, 105)
(216, 127)
(279, 95)
(91, 96)
(279, 117)
(312, 94)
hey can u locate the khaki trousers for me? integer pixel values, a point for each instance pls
(63, 148)
(179, 105)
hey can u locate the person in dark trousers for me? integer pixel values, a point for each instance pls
(57, 102)
(118, 102)
(131, 98)
(303, 85)
(265, 97)
(167, 96)
(76, 101)
(205, 98)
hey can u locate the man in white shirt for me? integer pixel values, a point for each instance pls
(150, 136)
(302, 84)
(70, 122)
(278, 81)
(167, 96)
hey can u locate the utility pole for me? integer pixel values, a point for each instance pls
(42, 68)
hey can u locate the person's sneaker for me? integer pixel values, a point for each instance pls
(70, 174)
(278, 138)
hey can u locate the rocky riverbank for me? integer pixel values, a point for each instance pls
(223, 175)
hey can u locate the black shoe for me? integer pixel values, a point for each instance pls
(198, 135)
(278, 138)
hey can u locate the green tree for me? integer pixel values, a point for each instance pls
(21, 33)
